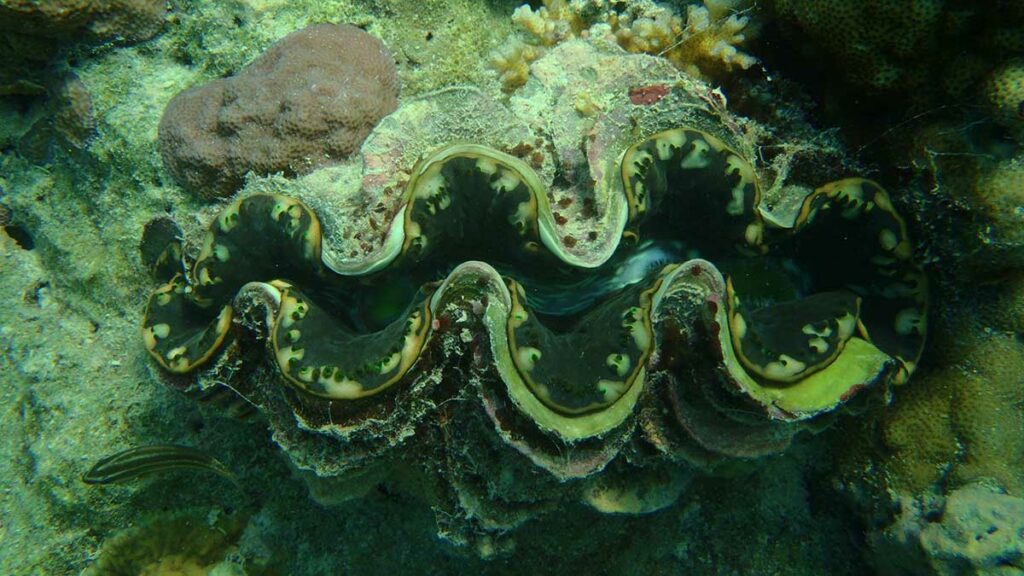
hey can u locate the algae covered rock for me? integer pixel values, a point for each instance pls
(310, 100)
(980, 532)
(33, 32)
(976, 530)
(130, 20)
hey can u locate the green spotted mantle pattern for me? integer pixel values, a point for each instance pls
(844, 307)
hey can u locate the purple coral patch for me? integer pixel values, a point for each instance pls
(308, 101)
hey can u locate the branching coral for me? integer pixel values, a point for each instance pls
(705, 43)
(512, 61)
(554, 22)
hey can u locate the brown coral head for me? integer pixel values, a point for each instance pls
(308, 101)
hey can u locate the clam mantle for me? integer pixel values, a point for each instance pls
(578, 289)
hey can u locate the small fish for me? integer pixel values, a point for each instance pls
(137, 462)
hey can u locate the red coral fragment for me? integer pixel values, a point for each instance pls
(647, 95)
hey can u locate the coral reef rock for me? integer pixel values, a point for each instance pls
(33, 32)
(640, 310)
(193, 541)
(130, 20)
(925, 50)
(977, 530)
(309, 100)
(1004, 93)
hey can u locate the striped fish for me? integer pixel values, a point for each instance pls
(137, 462)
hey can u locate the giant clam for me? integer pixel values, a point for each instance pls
(586, 298)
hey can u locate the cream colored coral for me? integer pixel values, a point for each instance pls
(512, 61)
(188, 542)
(554, 22)
(653, 32)
(706, 43)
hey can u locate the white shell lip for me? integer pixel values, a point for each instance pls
(374, 262)
(468, 269)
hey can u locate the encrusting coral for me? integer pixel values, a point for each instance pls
(1004, 94)
(872, 39)
(918, 431)
(928, 52)
(975, 529)
(704, 43)
(1007, 311)
(644, 307)
(960, 422)
(999, 196)
(309, 100)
